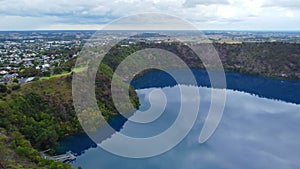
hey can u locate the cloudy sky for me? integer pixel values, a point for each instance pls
(205, 14)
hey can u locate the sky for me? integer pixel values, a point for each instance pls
(204, 14)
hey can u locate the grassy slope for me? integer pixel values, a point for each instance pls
(43, 112)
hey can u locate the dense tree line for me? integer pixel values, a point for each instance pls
(40, 113)
(271, 59)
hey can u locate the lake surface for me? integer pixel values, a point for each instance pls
(259, 129)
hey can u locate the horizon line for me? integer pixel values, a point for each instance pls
(236, 30)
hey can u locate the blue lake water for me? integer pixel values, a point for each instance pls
(259, 129)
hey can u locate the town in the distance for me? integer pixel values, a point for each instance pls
(28, 55)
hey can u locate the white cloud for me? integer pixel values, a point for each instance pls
(232, 14)
(282, 3)
(194, 3)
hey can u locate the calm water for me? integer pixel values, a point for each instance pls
(259, 129)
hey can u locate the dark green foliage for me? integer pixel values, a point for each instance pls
(274, 59)
(15, 86)
(15, 80)
(17, 152)
(57, 70)
(68, 66)
(29, 72)
(43, 112)
(3, 88)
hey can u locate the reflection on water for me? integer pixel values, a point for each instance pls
(286, 90)
(255, 132)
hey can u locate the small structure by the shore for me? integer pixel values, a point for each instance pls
(69, 156)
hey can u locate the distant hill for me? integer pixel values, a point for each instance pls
(281, 60)
(270, 59)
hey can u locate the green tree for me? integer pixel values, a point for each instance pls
(15, 80)
(3, 88)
